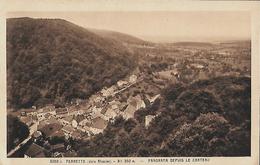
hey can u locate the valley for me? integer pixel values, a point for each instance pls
(133, 92)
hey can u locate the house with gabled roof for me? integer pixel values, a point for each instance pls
(134, 103)
(42, 124)
(49, 129)
(47, 108)
(99, 123)
(35, 151)
(79, 118)
(84, 122)
(110, 113)
(66, 120)
(76, 134)
(68, 130)
(133, 78)
(148, 119)
(58, 147)
(27, 120)
(59, 133)
(52, 120)
(46, 112)
(62, 112)
(28, 112)
(108, 91)
(153, 98)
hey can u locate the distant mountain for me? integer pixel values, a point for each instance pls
(192, 44)
(53, 61)
(123, 38)
(237, 43)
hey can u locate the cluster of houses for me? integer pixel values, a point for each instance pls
(41, 145)
(80, 120)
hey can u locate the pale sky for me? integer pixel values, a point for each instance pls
(161, 25)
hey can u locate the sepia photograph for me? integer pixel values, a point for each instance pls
(128, 84)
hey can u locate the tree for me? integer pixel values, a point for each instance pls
(16, 131)
(204, 137)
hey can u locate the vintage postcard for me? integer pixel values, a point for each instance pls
(127, 82)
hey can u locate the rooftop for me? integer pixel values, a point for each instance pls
(37, 134)
(68, 118)
(99, 123)
(76, 134)
(50, 129)
(26, 119)
(68, 128)
(79, 118)
(58, 134)
(35, 151)
(61, 111)
(52, 120)
(57, 146)
(27, 110)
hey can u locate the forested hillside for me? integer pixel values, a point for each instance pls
(53, 61)
(123, 38)
(205, 118)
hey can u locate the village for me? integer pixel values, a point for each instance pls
(52, 127)
(79, 120)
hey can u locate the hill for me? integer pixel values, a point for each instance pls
(123, 38)
(195, 44)
(206, 118)
(53, 60)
